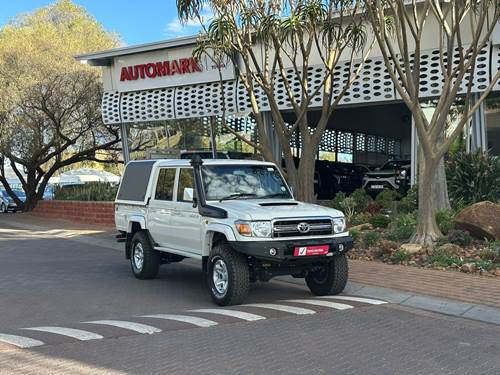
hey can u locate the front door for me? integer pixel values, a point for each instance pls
(185, 225)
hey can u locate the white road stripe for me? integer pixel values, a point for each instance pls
(233, 313)
(70, 332)
(357, 299)
(200, 322)
(317, 302)
(132, 326)
(285, 308)
(20, 341)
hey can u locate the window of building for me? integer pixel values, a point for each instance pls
(186, 180)
(165, 184)
(492, 114)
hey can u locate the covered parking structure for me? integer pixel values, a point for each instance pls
(160, 87)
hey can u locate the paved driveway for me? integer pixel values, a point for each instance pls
(70, 307)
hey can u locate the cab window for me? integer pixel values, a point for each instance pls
(186, 180)
(165, 184)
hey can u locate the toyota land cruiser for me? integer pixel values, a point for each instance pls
(238, 217)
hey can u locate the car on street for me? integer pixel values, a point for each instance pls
(237, 217)
(7, 203)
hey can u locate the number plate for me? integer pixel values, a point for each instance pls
(311, 250)
(377, 186)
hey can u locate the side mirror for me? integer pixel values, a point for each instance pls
(188, 194)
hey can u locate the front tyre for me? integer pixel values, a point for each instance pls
(228, 276)
(329, 279)
(144, 260)
(3, 208)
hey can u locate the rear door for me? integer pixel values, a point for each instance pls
(161, 207)
(185, 226)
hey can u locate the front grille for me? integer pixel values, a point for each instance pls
(289, 228)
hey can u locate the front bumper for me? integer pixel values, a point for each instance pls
(285, 248)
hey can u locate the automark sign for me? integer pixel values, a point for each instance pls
(166, 68)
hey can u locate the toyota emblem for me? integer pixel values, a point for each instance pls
(303, 227)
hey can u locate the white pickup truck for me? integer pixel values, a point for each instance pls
(238, 217)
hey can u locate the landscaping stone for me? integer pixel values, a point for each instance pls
(449, 249)
(468, 267)
(412, 248)
(480, 220)
(362, 227)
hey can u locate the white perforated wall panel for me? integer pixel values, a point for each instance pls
(372, 85)
(110, 106)
(495, 64)
(204, 100)
(148, 105)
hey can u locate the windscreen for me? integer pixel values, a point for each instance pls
(243, 182)
(135, 181)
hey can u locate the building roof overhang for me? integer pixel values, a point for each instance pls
(105, 58)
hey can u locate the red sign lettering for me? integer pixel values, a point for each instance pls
(160, 69)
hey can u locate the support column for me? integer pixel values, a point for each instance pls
(271, 136)
(476, 134)
(213, 141)
(124, 131)
(414, 153)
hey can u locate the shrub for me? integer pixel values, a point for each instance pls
(348, 206)
(409, 203)
(400, 256)
(380, 221)
(335, 203)
(371, 238)
(445, 220)
(459, 237)
(361, 218)
(492, 252)
(473, 177)
(443, 259)
(483, 265)
(361, 198)
(402, 227)
(373, 208)
(355, 234)
(386, 198)
(90, 191)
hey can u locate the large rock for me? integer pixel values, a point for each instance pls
(481, 220)
(412, 248)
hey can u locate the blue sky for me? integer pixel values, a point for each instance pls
(136, 21)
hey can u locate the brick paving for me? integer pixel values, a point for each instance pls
(446, 284)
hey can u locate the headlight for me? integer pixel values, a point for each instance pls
(254, 228)
(403, 173)
(338, 225)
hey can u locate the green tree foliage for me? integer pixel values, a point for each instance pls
(49, 103)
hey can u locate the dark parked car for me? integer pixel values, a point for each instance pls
(394, 175)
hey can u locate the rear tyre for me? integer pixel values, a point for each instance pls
(330, 279)
(144, 260)
(3, 208)
(228, 276)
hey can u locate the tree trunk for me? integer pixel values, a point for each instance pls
(427, 231)
(306, 175)
(440, 188)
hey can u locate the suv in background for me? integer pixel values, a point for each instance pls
(394, 175)
(237, 217)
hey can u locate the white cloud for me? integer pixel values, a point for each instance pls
(175, 28)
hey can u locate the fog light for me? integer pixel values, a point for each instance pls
(273, 251)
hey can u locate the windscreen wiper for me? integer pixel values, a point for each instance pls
(236, 196)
